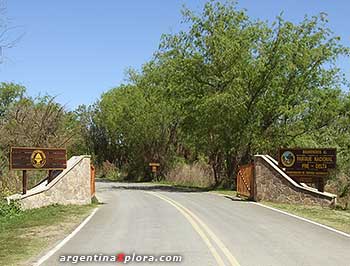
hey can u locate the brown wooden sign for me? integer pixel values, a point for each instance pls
(154, 167)
(307, 164)
(22, 158)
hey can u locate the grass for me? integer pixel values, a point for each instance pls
(334, 218)
(226, 192)
(28, 233)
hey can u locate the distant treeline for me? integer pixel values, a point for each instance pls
(225, 88)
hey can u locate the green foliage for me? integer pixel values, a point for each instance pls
(9, 210)
(110, 172)
(33, 122)
(224, 89)
(134, 128)
(94, 201)
(198, 174)
(9, 93)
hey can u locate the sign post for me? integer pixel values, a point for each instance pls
(24, 182)
(154, 168)
(23, 158)
(308, 165)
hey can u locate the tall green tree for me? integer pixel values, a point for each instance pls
(249, 87)
(10, 93)
(224, 89)
(136, 129)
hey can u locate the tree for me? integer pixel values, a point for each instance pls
(8, 36)
(135, 129)
(224, 89)
(10, 93)
(248, 87)
(33, 122)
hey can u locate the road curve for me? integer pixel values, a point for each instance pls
(202, 228)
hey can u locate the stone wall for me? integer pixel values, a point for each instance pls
(72, 186)
(272, 184)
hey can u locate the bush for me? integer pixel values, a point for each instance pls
(198, 174)
(341, 187)
(94, 200)
(110, 171)
(10, 183)
(9, 210)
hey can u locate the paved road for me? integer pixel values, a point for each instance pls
(203, 228)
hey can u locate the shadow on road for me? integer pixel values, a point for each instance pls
(159, 188)
(163, 188)
(152, 187)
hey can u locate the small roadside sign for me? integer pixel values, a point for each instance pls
(154, 167)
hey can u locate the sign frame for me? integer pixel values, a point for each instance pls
(296, 166)
(307, 169)
(34, 149)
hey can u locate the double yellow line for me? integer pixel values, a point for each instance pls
(204, 232)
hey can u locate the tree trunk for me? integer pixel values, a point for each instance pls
(231, 170)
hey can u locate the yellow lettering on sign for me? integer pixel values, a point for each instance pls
(305, 165)
(323, 159)
(304, 159)
(321, 166)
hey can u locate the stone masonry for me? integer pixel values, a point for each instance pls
(72, 186)
(272, 184)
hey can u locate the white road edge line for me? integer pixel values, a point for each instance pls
(303, 219)
(64, 241)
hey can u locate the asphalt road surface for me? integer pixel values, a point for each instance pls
(202, 228)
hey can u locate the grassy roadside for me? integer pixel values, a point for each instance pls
(28, 233)
(337, 219)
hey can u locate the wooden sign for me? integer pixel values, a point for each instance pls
(310, 161)
(22, 158)
(308, 165)
(154, 167)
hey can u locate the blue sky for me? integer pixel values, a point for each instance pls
(78, 49)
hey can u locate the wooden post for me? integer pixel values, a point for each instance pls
(320, 184)
(49, 178)
(92, 180)
(24, 182)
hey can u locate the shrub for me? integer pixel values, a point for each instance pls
(9, 210)
(341, 187)
(110, 171)
(198, 174)
(10, 183)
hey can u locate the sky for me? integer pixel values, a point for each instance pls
(76, 50)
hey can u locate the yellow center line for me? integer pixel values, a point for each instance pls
(195, 227)
(194, 220)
